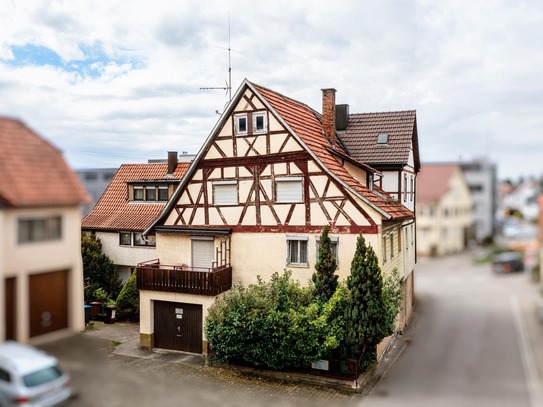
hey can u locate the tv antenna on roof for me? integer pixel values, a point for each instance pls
(228, 87)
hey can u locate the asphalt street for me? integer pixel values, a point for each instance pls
(469, 344)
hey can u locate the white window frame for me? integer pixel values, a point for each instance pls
(232, 200)
(237, 118)
(292, 239)
(282, 181)
(335, 248)
(265, 124)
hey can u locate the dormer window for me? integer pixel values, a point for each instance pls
(382, 138)
(138, 193)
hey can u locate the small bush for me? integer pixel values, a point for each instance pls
(272, 325)
(128, 301)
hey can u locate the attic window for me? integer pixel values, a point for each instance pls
(382, 138)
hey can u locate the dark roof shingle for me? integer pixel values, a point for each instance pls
(360, 138)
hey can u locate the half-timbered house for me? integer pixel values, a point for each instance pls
(270, 176)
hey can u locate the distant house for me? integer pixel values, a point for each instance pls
(481, 178)
(41, 272)
(270, 176)
(134, 198)
(444, 210)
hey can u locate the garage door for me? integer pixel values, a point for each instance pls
(10, 307)
(48, 302)
(178, 326)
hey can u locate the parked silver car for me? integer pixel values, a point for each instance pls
(29, 377)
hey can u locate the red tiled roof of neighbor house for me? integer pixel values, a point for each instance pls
(363, 129)
(33, 172)
(433, 181)
(306, 123)
(113, 211)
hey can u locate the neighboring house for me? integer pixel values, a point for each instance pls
(444, 210)
(481, 178)
(134, 198)
(95, 181)
(255, 200)
(520, 199)
(41, 271)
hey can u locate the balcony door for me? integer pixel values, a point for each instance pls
(202, 253)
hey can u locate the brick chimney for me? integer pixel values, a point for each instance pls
(172, 162)
(329, 115)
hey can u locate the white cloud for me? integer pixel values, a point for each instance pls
(470, 68)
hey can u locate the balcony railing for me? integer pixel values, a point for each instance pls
(153, 276)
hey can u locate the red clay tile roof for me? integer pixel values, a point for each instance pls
(33, 172)
(360, 138)
(114, 212)
(306, 123)
(433, 181)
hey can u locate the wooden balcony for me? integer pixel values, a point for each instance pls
(153, 276)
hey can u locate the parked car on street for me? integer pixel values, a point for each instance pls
(30, 377)
(507, 262)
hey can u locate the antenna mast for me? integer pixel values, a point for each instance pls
(228, 87)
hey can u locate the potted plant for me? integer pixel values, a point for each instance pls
(111, 309)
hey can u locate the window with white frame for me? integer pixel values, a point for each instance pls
(289, 189)
(405, 187)
(412, 187)
(297, 250)
(260, 122)
(241, 124)
(335, 244)
(225, 193)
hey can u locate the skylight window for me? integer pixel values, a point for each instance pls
(382, 138)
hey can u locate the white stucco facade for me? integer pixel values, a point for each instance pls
(22, 260)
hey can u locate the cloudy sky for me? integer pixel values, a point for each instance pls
(113, 82)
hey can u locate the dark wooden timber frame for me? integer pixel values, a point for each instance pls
(258, 196)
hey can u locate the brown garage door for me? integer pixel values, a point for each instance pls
(178, 326)
(48, 302)
(10, 308)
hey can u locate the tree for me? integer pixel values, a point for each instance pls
(98, 269)
(128, 300)
(366, 321)
(324, 279)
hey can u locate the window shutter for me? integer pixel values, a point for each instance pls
(289, 190)
(202, 253)
(225, 194)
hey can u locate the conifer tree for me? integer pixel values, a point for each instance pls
(366, 323)
(324, 278)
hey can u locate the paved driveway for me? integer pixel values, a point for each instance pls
(108, 372)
